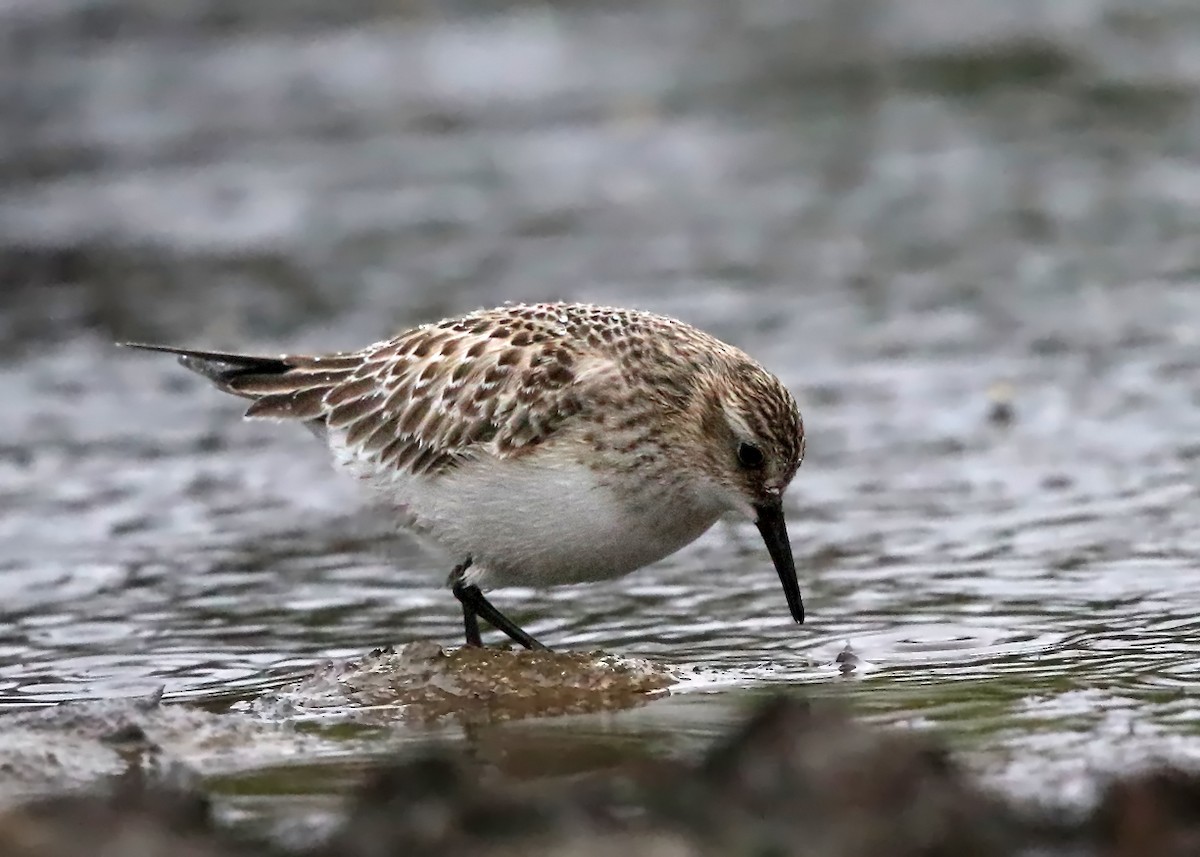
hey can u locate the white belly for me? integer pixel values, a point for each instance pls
(544, 523)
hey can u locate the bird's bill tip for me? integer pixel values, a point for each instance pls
(773, 528)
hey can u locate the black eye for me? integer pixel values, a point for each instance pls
(750, 456)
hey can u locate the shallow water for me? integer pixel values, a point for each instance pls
(908, 232)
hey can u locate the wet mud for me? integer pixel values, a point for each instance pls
(80, 745)
(793, 780)
(964, 237)
(90, 745)
(423, 682)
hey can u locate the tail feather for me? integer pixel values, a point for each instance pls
(284, 388)
(224, 369)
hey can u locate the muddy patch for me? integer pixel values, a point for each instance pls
(424, 682)
(108, 744)
(795, 779)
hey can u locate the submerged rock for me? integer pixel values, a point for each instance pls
(422, 681)
(75, 745)
(107, 745)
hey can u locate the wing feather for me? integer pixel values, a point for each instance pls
(495, 383)
(305, 404)
(441, 395)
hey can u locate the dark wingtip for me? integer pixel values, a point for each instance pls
(220, 367)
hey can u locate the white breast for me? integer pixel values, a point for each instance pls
(541, 520)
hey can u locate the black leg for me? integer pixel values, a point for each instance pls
(474, 604)
(470, 623)
(487, 611)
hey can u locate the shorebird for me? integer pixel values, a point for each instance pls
(544, 444)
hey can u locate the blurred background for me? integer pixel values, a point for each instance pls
(322, 172)
(964, 233)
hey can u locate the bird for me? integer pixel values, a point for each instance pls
(543, 444)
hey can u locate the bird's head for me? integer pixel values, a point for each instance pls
(754, 444)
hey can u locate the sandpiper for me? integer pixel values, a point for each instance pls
(544, 444)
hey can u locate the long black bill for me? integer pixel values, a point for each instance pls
(774, 532)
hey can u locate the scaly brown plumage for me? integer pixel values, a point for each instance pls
(620, 435)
